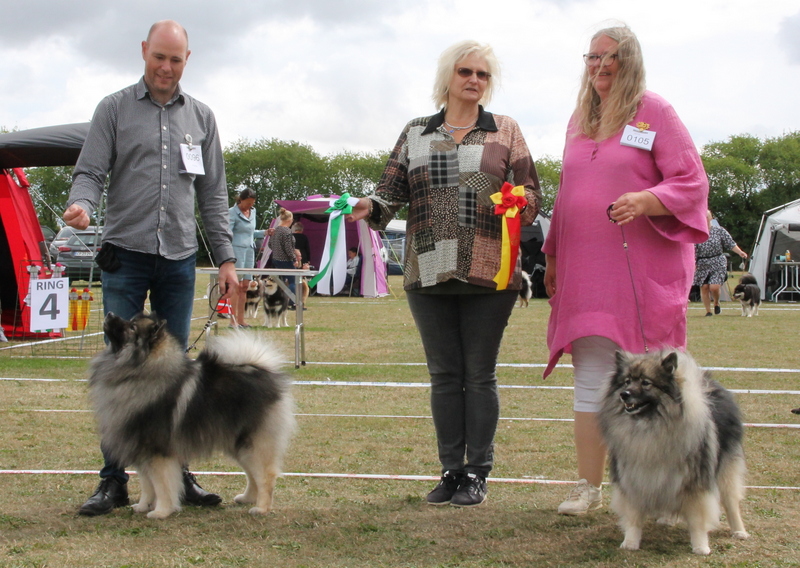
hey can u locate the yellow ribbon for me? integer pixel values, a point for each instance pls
(508, 203)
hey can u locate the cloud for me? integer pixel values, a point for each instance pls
(789, 37)
(348, 74)
(100, 32)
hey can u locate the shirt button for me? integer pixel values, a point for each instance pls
(165, 166)
(165, 146)
(163, 187)
(163, 128)
(162, 208)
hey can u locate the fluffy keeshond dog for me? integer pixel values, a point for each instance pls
(674, 440)
(158, 409)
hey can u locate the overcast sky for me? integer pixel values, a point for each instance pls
(348, 74)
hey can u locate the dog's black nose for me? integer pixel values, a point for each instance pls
(625, 395)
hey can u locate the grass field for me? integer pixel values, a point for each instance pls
(324, 516)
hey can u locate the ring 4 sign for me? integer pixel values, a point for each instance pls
(49, 303)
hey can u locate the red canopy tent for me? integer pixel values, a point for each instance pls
(21, 239)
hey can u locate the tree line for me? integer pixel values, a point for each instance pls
(747, 175)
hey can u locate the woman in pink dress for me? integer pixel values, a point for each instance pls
(630, 174)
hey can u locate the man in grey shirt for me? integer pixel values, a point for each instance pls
(160, 147)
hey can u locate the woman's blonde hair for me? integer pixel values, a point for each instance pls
(285, 214)
(448, 60)
(626, 91)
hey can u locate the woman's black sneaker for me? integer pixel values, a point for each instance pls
(446, 488)
(471, 493)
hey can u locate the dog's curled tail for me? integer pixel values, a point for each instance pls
(748, 279)
(245, 348)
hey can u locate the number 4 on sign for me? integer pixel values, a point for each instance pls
(49, 303)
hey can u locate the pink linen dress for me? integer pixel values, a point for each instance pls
(594, 286)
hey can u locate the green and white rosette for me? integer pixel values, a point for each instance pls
(334, 256)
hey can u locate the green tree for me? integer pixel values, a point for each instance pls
(356, 173)
(549, 170)
(780, 164)
(735, 182)
(275, 169)
(748, 176)
(49, 189)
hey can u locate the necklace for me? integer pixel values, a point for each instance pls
(454, 128)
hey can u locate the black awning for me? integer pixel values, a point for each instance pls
(47, 146)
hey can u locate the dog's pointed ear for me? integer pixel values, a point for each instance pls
(114, 328)
(670, 363)
(621, 359)
(158, 329)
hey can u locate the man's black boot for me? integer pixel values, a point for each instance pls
(110, 494)
(195, 495)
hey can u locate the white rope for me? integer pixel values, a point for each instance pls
(367, 476)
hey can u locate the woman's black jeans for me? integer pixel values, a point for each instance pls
(461, 334)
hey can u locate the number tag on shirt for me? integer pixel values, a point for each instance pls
(192, 160)
(635, 138)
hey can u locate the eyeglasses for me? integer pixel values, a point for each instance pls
(594, 59)
(467, 72)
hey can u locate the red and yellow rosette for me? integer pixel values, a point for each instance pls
(509, 202)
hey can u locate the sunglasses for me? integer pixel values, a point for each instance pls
(467, 72)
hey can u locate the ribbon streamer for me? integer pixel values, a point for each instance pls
(334, 255)
(509, 202)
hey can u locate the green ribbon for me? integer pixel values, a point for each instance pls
(334, 226)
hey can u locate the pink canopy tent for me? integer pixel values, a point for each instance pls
(311, 212)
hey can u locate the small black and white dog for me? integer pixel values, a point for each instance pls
(526, 291)
(749, 294)
(253, 298)
(276, 303)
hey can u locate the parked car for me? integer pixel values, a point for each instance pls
(77, 255)
(395, 253)
(44, 247)
(49, 234)
(63, 236)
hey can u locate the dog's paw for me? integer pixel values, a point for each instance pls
(668, 520)
(258, 511)
(629, 545)
(243, 499)
(741, 535)
(161, 513)
(702, 550)
(141, 507)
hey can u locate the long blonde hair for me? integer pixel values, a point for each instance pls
(626, 91)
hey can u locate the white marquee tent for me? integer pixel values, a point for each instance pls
(779, 231)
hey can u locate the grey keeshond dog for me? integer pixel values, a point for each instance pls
(157, 409)
(674, 441)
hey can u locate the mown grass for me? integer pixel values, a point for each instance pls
(382, 430)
